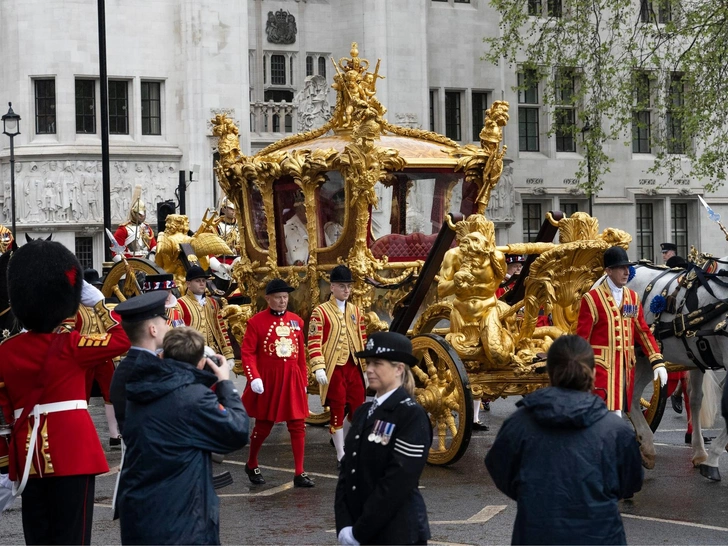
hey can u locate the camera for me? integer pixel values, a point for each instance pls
(216, 359)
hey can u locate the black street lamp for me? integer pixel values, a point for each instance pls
(585, 129)
(11, 127)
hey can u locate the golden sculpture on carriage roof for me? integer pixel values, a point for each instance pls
(414, 233)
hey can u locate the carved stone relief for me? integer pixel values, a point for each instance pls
(281, 27)
(69, 192)
(502, 206)
(312, 103)
(409, 120)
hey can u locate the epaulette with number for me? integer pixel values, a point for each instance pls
(94, 340)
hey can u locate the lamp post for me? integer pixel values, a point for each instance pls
(11, 127)
(587, 127)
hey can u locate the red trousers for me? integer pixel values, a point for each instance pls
(345, 394)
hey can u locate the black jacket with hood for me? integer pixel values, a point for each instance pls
(173, 422)
(566, 460)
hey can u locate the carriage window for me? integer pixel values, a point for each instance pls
(257, 218)
(331, 206)
(291, 223)
(412, 207)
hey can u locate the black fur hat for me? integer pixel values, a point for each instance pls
(44, 284)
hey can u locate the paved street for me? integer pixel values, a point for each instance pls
(676, 505)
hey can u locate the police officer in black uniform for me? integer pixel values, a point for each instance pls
(377, 500)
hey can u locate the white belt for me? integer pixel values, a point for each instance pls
(54, 407)
(39, 409)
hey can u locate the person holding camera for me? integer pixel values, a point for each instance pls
(174, 422)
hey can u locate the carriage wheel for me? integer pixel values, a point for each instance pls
(655, 407)
(319, 419)
(443, 389)
(118, 270)
(431, 317)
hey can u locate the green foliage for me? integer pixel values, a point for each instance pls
(668, 56)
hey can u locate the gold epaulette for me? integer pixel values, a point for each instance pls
(104, 315)
(94, 340)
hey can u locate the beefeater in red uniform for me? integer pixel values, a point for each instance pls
(611, 320)
(337, 331)
(273, 357)
(44, 376)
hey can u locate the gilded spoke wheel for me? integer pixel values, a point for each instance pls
(115, 285)
(654, 408)
(443, 389)
(319, 418)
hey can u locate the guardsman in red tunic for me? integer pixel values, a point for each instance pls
(204, 314)
(337, 331)
(166, 282)
(611, 320)
(273, 356)
(54, 451)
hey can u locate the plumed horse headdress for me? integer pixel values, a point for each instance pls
(44, 284)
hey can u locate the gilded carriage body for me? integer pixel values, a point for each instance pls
(405, 209)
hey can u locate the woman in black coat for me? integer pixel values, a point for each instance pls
(377, 499)
(565, 459)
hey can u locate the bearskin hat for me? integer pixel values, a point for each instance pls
(44, 284)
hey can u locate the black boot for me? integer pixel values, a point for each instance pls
(254, 475)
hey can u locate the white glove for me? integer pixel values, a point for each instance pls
(661, 372)
(346, 536)
(321, 377)
(231, 363)
(256, 386)
(90, 295)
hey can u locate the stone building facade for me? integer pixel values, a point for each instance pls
(174, 64)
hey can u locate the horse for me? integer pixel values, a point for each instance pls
(689, 310)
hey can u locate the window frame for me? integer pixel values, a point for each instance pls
(85, 112)
(84, 250)
(147, 120)
(478, 117)
(642, 118)
(455, 123)
(529, 111)
(115, 103)
(528, 235)
(644, 236)
(565, 106)
(680, 233)
(42, 103)
(675, 142)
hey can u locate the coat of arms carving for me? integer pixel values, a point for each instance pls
(281, 27)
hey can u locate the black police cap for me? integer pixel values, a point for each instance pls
(277, 285)
(389, 346)
(668, 246)
(144, 307)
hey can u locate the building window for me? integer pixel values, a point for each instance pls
(85, 251)
(569, 208)
(565, 111)
(675, 105)
(532, 220)
(309, 65)
(265, 70)
(462, 1)
(452, 115)
(322, 66)
(552, 8)
(45, 107)
(642, 115)
(86, 106)
(680, 227)
(151, 108)
(118, 107)
(656, 10)
(645, 241)
(480, 105)
(278, 70)
(528, 111)
(433, 102)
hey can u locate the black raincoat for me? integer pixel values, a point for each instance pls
(566, 460)
(173, 422)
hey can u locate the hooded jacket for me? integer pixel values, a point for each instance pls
(566, 460)
(173, 422)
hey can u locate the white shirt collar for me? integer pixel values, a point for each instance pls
(381, 399)
(341, 305)
(616, 291)
(200, 299)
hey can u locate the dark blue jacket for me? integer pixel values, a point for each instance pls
(566, 460)
(173, 422)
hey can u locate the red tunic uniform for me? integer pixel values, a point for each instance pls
(138, 239)
(88, 323)
(612, 332)
(274, 351)
(51, 368)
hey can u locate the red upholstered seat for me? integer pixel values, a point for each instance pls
(403, 248)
